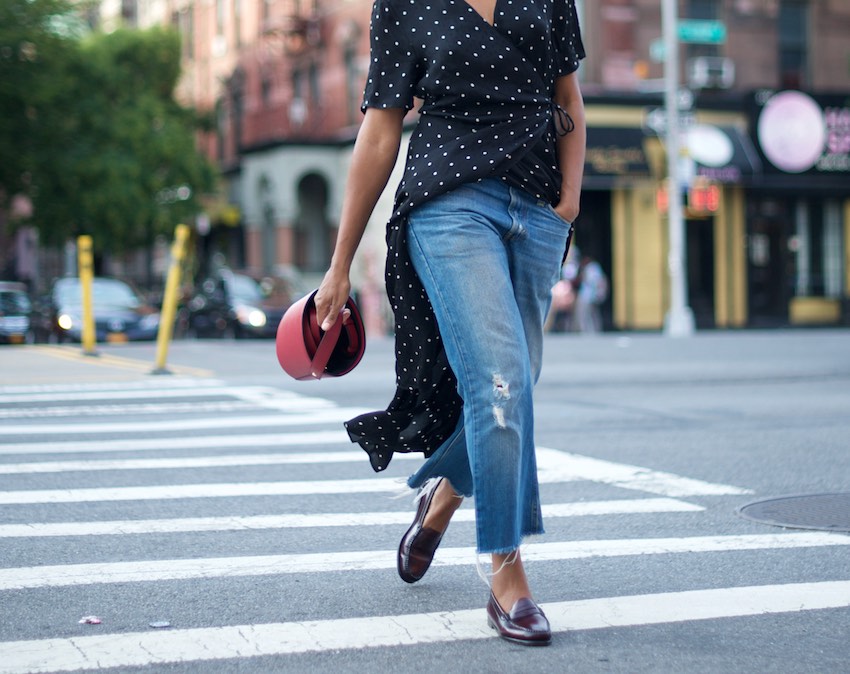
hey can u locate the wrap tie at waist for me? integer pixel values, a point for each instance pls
(563, 122)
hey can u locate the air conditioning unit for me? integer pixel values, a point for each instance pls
(710, 72)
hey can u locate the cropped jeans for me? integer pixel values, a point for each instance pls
(488, 255)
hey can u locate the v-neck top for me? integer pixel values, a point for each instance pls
(486, 112)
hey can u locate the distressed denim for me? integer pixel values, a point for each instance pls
(488, 255)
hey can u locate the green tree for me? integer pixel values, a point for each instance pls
(120, 160)
(35, 36)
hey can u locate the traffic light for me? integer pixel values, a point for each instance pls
(703, 198)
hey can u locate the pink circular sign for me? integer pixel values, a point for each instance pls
(792, 131)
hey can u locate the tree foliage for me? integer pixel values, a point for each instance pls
(33, 46)
(111, 151)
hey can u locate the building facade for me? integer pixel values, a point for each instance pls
(766, 115)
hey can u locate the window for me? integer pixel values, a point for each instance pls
(266, 87)
(183, 22)
(315, 88)
(793, 28)
(818, 245)
(219, 16)
(237, 22)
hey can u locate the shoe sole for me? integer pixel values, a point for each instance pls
(521, 642)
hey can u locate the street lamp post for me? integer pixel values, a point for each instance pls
(679, 321)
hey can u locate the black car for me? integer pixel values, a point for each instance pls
(14, 313)
(236, 305)
(120, 313)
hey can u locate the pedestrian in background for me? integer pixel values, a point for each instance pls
(560, 318)
(591, 294)
(476, 239)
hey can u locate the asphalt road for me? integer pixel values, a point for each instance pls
(224, 500)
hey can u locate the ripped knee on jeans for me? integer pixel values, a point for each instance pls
(501, 392)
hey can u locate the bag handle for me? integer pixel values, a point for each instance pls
(326, 348)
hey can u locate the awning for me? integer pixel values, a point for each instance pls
(614, 153)
(723, 154)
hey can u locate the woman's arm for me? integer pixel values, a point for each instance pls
(372, 162)
(571, 147)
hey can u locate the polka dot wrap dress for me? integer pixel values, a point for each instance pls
(486, 112)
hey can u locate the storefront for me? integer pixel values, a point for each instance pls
(798, 209)
(624, 210)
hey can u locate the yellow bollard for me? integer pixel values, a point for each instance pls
(169, 299)
(85, 263)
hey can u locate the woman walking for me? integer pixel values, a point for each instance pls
(478, 233)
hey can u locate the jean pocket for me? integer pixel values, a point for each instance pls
(552, 210)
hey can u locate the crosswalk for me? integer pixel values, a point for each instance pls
(123, 467)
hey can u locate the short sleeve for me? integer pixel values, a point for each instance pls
(569, 49)
(393, 66)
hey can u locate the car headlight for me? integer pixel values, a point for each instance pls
(252, 316)
(65, 322)
(149, 322)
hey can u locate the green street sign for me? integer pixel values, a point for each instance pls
(697, 31)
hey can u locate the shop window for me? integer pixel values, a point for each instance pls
(818, 247)
(832, 249)
(793, 29)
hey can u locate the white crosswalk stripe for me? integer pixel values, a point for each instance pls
(75, 449)
(234, 641)
(306, 520)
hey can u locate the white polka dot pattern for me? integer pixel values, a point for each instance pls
(487, 111)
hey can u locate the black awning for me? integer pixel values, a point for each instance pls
(614, 153)
(724, 154)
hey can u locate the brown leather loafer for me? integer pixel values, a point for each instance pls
(419, 543)
(526, 624)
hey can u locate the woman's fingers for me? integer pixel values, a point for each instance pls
(330, 300)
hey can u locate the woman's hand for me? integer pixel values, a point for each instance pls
(568, 208)
(331, 298)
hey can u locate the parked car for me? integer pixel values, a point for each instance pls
(15, 311)
(232, 304)
(120, 313)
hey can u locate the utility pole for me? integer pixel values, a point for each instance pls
(679, 321)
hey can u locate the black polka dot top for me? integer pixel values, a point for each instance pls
(487, 112)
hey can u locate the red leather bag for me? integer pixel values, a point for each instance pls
(305, 351)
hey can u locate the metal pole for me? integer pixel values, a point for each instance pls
(679, 321)
(85, 264)
(169, 298)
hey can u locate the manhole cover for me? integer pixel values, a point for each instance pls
(827, 512)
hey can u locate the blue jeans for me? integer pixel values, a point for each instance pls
(488, 255)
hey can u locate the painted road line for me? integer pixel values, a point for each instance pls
(170, 444)
(305, 520)
(354, 454)
(147, 648)
(300, 412)
(68, 575)
(219, 490)
(171, 382)
(131, 409)
(554, 463)
(109, 360)
(228, 490)
(125, 394)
